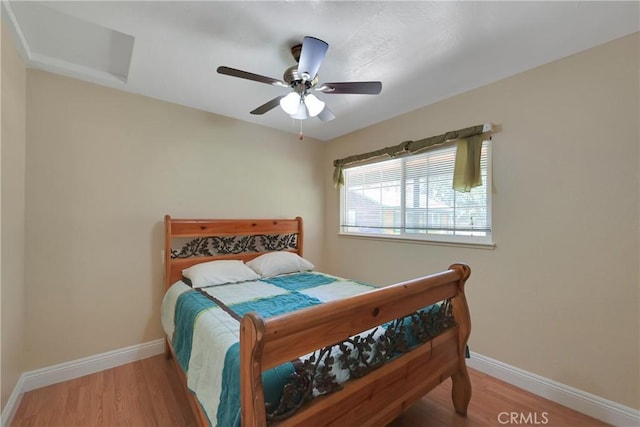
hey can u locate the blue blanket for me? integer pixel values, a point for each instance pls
(273, 381)
(188, 307)
(191, 304)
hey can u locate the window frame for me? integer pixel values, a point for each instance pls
(485, 242)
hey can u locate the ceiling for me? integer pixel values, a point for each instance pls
(422, 51)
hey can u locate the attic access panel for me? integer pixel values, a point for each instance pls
(59, 40)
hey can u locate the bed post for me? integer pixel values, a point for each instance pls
(253, 411)
(461, 390)
(300, 235)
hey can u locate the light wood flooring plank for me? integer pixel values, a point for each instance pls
(149, 393)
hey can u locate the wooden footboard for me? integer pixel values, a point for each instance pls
(383, 394)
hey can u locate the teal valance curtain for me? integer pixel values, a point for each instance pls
(467, 165)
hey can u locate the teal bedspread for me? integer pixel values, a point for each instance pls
(268, 297)
(189, 306)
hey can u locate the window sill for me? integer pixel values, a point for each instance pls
(419, 241)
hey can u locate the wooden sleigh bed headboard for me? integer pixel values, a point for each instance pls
(214, 239)
(374, 399)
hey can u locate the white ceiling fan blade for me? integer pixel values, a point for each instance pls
(326, 115)
(311, 56)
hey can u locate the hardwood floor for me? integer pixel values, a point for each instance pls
(493, 403)
(149, 393)
(144, 393)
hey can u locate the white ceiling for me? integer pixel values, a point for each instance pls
(422, 51)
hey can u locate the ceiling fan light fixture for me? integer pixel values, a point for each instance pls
(301, 113)
(314, 105)
(291, 103)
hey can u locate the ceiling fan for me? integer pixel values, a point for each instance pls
(302, 79)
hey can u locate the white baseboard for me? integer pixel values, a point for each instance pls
(77, 368)
(9, 410)
(589, 404)
(89, 365)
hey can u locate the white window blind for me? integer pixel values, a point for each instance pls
(412, 197)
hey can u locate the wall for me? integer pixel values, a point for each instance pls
(12, 167)
(103, 167)
(559, 294)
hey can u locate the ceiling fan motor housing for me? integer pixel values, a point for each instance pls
(293, 79)
(295, 51)
(291, 75)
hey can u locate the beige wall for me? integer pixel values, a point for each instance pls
(103, 167)
(12, 153)
(559, 295)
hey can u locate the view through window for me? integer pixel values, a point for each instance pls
(413, 197)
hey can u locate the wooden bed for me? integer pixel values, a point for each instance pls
(371, 400)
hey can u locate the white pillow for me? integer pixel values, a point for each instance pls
(219, 272)
(274, 263)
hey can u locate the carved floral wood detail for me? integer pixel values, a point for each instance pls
(360, 355)
(222, 245)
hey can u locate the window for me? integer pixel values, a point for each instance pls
(412, 197)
